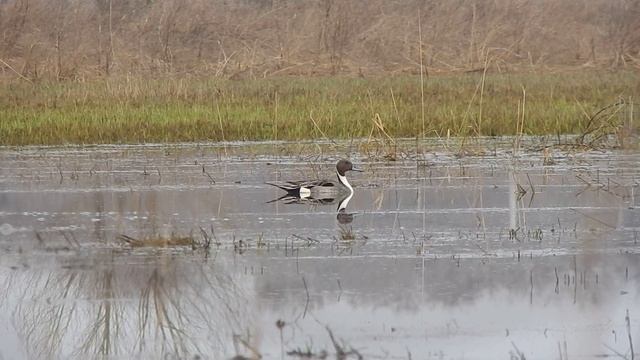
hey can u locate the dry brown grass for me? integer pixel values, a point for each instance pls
(157, 241)
(75, 39)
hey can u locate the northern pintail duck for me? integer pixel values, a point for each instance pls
(320, 191)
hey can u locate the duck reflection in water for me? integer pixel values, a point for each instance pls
(346, 235)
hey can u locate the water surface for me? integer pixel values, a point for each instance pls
(440, 254)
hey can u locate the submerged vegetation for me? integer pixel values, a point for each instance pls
(135, 110)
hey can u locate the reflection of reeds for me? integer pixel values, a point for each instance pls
(103, 332)
(182, 308)
(44, 327)
(169, 318)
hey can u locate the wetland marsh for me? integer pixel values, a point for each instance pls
(194, 108)
(484, 255)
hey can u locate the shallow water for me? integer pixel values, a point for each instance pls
(481, 256)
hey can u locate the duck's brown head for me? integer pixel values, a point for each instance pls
(345, 165)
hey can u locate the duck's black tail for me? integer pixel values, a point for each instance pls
(285, 197)
(290, 188)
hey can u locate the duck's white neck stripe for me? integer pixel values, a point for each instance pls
(343, 204)
(345, 182)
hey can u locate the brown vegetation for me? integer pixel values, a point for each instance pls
(78, 39)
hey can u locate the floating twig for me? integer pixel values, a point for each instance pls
(306, 305)
(628, 321)
(204, 171)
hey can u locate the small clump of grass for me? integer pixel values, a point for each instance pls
(140, 110)
(158, 241)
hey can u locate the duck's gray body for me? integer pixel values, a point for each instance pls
(311, 188)
(319, 191)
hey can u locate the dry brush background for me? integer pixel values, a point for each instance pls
(81, 39)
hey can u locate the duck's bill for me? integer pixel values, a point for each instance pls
(356, 169)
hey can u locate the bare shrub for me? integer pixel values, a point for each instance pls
(67, 39)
